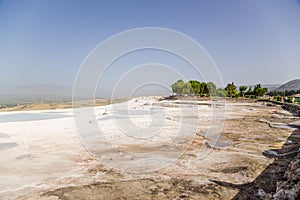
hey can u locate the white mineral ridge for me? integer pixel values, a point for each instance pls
(50, 149)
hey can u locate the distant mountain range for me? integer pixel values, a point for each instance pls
(291, 85)
(271, 87)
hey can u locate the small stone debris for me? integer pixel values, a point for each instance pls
(285, 194)
(261, 193)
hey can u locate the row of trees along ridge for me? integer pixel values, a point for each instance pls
(196, 88)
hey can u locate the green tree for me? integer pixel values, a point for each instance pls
(259, 91)
(256, 88)
(221, 92)
(243, 90)
(231, 90)
(262, 91)
(249, 91)
(187, 88)
(203, 89)
(195, 86)
(211, 89)
(178, 86)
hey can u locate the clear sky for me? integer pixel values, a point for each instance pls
(251, 41)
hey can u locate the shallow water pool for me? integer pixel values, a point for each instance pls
(17, 117)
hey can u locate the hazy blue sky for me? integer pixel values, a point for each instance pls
(251, 41)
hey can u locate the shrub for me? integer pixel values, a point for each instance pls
(278, 98)
(289, 100)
